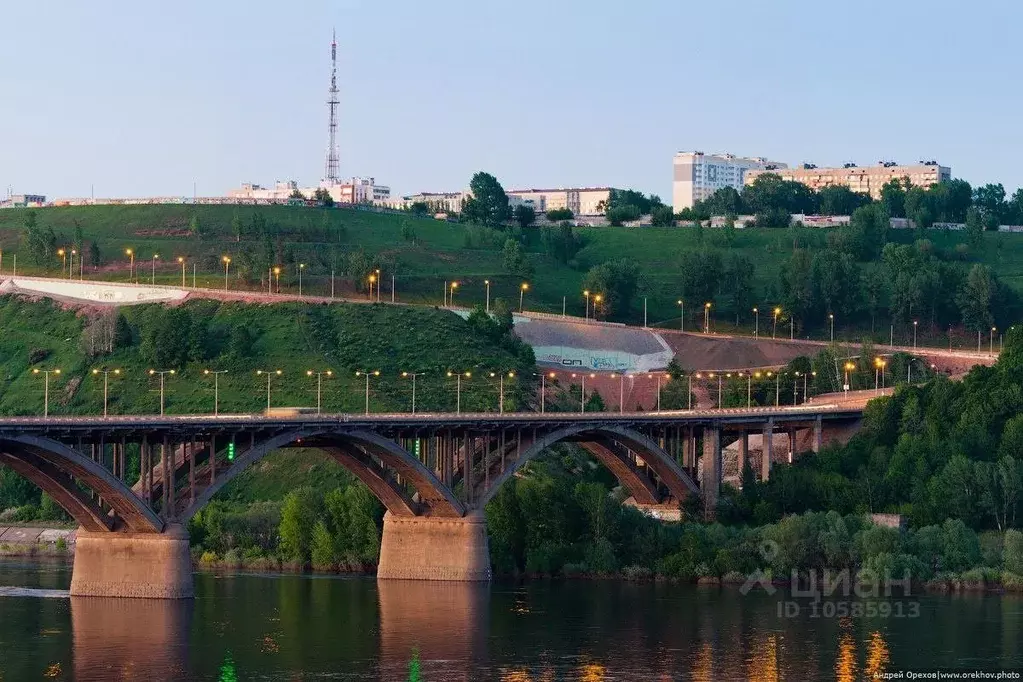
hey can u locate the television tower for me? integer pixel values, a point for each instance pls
(331, 174)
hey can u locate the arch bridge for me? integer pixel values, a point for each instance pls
(434, 473)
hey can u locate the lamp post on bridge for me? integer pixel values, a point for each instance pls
(163, 373)
(500, 376)
(621, 391)
(269, 375)
(543, 388)
(362, 373)
(756, 323)
(46, 387)
(582, 394)
(216, 387)
(658, 375)
(106, 375)
(458, 388)
(848, 368)
(319, 383)
(413, 375)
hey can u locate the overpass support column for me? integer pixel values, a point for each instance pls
(148, 565)
(711, 469)
(818, 434)
(792, 443)
(432, 548)
(743, 453)
(767, 446)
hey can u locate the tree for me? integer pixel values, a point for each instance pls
(662, 216)
(919, 207)
(893, 197)
(323, 196)
(990, 201)
(868, 228)
(196, 227)
(237, 229)
(840, 200)
(94, 257)
(738, 283)
(295, 194)
(835, 283)
(560, 243)
(974, 227)
(515, 261)
(298, 518)
(616, 281)
(488, 204)
(675, 391)
(408, 231)
(700, 275)
(558, 214)
(976, 296)
(525, 215)
(619, 215)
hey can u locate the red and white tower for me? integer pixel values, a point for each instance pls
(331, 173)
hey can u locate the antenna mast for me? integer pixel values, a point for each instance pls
(331, 174)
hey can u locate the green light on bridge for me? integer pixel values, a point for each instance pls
(230, 451)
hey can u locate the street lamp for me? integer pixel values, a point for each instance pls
(319, 383)
(458, 388)
(621, 391)
(152, 279)
(831, 319)
(795, 389)
(413, 375)
(689, 403)
(277, 276)
(301, 267)
(46, 387)
(756, 323)
(879, 364)
(596, 301)
(991, 341)
(848, 368)
(216, 387)
(543, 388)
(500, 376)
(106, 373)
(682, 317)
(451, 293)
(63, 263)
(162, 373)
(181, 260)
(522, 292)
(706, 317)
(487, 283)
(131, 263)
(774, 329)
(914, 334)
(227, 268)
(361, 373)
(582, 394)
(711, 375)
(379, 281)
(586, 295)
(269, 375)
(792, 327)
(71, 268)
(658, 375)
(749, 389)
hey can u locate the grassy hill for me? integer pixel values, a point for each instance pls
(441, 252)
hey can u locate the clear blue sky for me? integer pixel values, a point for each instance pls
(141, 98)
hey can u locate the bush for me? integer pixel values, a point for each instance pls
(37, 355)
(1012, 551)
(1012, 582)
(208, 559)
(232, 558)
(60, 545)
(637, 573)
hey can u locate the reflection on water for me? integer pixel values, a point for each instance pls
(294, 627)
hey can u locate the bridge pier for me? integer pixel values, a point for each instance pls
(145, 565)
(434, 548)
(711, 469)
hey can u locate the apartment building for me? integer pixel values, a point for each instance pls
(865, 179)
(581, 201)
(697, 175)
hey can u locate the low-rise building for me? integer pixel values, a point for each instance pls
(865, 180)
(282, 190)
(581, 201)
(350, 191)
(21, 200)
(697, 175)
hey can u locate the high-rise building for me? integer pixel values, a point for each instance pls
(698, 175)
(866, 179)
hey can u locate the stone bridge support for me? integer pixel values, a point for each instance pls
(151, 565)
(433, 548)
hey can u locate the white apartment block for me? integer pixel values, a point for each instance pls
(697, 175)
(582, 201)
(349, 191)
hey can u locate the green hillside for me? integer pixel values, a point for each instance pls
(422, 254)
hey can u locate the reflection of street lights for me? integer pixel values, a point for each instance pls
(162, 373)
(543, 388)
(46, 387)
(706, 317)
(269, 375)
(413, 375)
(458, 388)
(774, 329)
(848, 368)
(227, 268)
(216, 387)
(319, 383)
(500, 376)
(360, 373)
(682, 316)
(756, 323)
(106, 374)
(522, 292)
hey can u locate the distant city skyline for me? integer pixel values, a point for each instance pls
(147, 100)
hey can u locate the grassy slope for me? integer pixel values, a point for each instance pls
(440, 256)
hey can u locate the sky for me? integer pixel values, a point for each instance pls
(144, 98)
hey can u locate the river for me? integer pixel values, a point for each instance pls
(287, 627)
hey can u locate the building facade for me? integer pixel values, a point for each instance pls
(866, 179)
(581, 201)
(697, 175)
(22, 200)
(349, 191)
